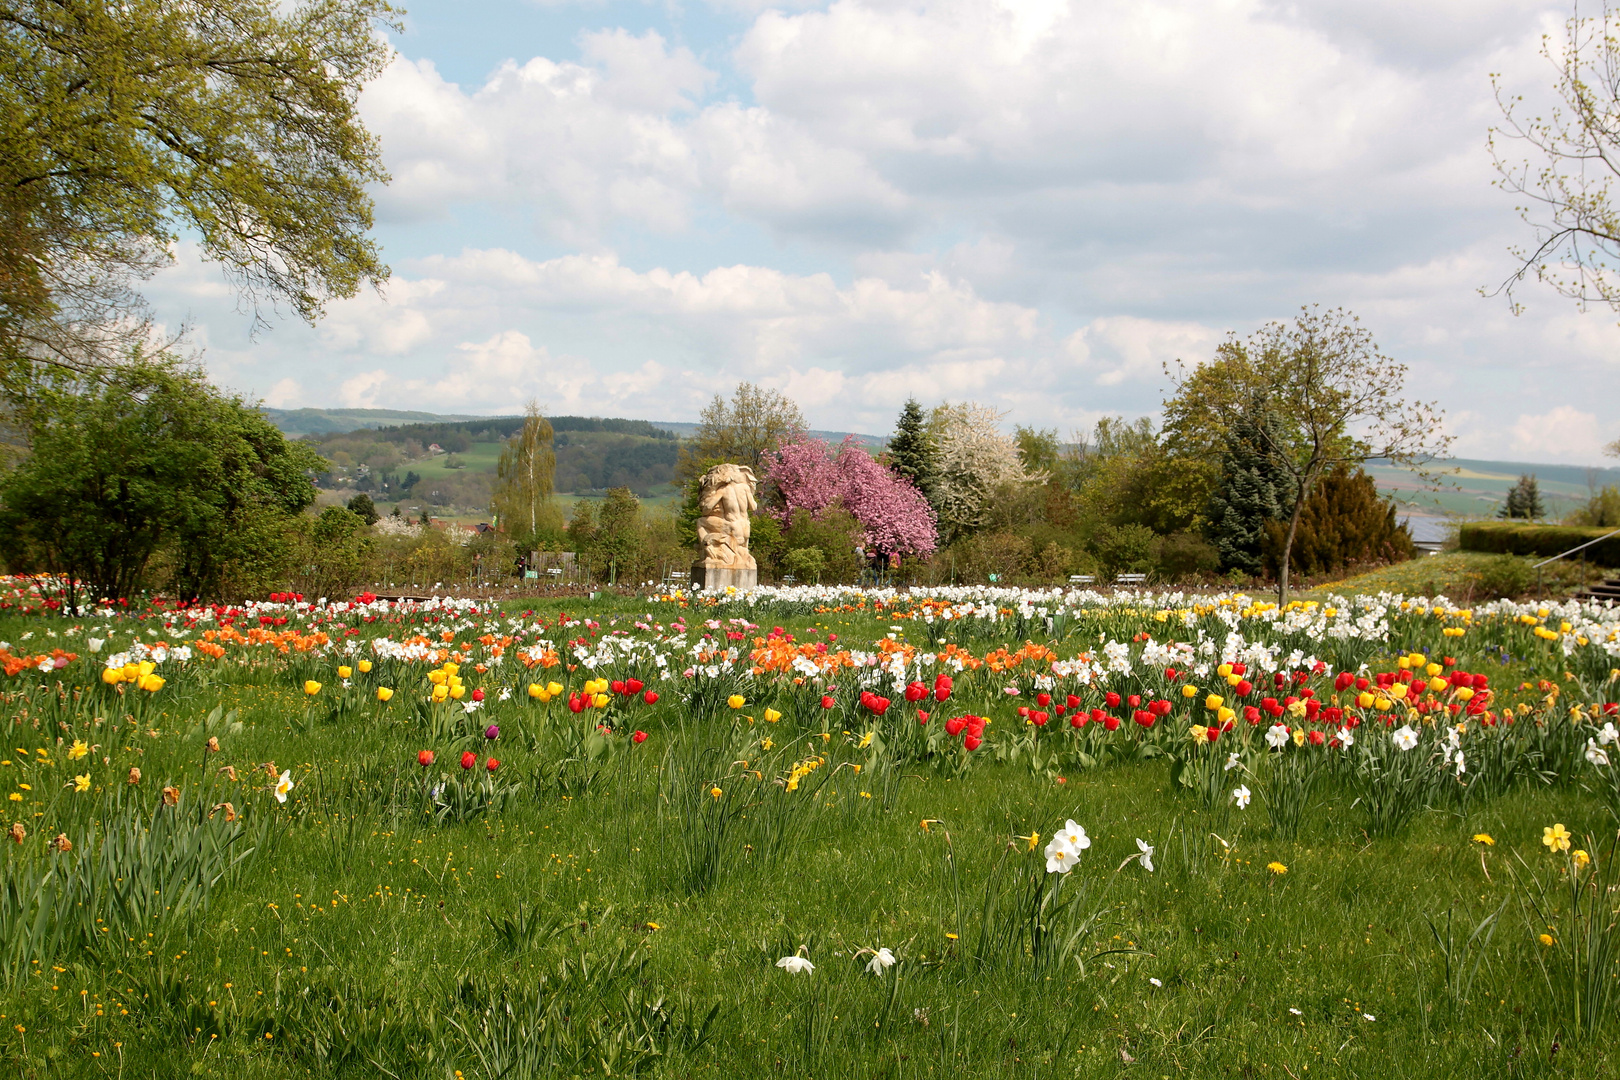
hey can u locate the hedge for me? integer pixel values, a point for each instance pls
(1544, 541)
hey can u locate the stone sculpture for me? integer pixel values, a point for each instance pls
(726, 500)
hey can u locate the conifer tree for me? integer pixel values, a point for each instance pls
(1524, 500)
(1254, 489)
(912, 454)
(1345, 523)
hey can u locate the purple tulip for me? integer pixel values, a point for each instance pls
(492, 732)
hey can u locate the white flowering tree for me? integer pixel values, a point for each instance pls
(975, 459)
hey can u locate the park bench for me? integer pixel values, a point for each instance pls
(1130, 579)
(1081, 579)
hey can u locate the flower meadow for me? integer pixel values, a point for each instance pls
(810, 831)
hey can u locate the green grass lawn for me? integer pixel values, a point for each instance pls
(612, 904)
(1458, 575)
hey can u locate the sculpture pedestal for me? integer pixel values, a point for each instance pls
(720, 578)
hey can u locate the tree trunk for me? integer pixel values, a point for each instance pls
(1288, 547)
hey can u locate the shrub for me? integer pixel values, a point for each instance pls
(1544, 541)
(1345, 522)
(1125, 549)
(1505, 576)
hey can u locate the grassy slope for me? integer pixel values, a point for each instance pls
(1454, 574)
(387, 912)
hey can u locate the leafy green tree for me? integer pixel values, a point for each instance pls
(363, 508)
(332, 553)
(125, 125)
(1254, 490)
(582, 526)
(154, 461)
(617, 542)
(1602, 509)
(1524, 500)
(912, 453)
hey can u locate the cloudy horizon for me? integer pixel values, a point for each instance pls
(621, 209)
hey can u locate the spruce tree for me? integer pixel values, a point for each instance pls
(1524, 500)
(1254, 490)
(911, 452)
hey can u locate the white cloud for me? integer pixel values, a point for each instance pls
(1125, 347)
(1563, 434)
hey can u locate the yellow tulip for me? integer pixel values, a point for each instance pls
(458, 692)
(1432, 670)
(1437, 684)
(1464, 693)
(1214, 702)
(1364, 699)
(554, 688)
(736, 701)
(1225, 715)
(440, 693)
(311, 687)
(600, 701)
(132, 672)
(345, 671)
(383, 693)
(436, 677)
(451, 669)
(146, 667)
(537, 691)
(364, 666)
(1189, 691)
(112, 676)
(772, 716)
(1224, 670)
(151, 683)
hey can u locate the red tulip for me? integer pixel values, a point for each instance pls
(1251, 714)
(1078, 720)
(954, 726)
(1098, 715)
(975, 725)
(1111, 723)
(633, 686)
(618, 687)
(827, 701)
(1072, 701)
(1112, 699)
(1239, 669)
(1317, 738)
(1040, 717)
(1162, 707)
(469, 759)
(1134, 700)
(478, 695)
(576, 702)
(1043, 700)
(922, 717)
(1244, 688)
(915, 692)
(492, 764)
(1171, 673)
(639, 737)
(650, 697)
(972, 742)
(424, 758)
(1143, 717)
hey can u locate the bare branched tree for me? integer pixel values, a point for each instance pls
(1561, 166)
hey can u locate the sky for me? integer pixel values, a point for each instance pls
(620, 208)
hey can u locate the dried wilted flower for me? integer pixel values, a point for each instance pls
(134, 775)
(171, 796)
(18, 833)
(61, 843)
(270, 769)
(213, 744)
(230, 811)
(229, 771)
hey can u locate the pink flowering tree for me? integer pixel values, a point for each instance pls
(813, 476)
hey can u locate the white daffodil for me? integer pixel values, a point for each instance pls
(1609, 735)
(795, 964)
(1405, 738)
(1277, 736)
(1061, 856)
(881, 961)
(1074, 836)
(1596, 754)
(506, 693)
(1347, 738)
(1460, 765)
(1241, 796)
(284, 785)
(1231, 761)
(1147, 854)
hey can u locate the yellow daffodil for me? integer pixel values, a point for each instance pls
(78, 750)
(81, 783)
(1556, 837)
